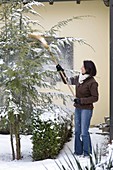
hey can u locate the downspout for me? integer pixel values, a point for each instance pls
(111, 70)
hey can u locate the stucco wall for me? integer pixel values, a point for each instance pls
(95, 31)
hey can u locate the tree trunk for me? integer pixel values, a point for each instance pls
(17, 137)
(11, 138)
(11, 125)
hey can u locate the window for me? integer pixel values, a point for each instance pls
(65, 57)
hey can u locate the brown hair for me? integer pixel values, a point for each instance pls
(90, 67)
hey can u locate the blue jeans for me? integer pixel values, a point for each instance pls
(82, 143)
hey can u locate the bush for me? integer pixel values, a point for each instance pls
(49, 137)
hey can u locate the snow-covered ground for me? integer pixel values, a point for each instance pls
(26, 146)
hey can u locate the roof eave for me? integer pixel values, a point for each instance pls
(106, 2)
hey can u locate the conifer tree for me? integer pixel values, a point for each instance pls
(21, 64)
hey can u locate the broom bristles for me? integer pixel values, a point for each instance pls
(40, 38)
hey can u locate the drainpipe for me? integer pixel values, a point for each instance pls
(111, 70)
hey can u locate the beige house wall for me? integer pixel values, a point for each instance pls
(95, 31)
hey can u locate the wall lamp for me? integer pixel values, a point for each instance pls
(106, 2)
(51, 2)
(78, 1)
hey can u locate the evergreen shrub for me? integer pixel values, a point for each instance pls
(50, 136)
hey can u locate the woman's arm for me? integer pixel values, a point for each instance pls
(65, 79)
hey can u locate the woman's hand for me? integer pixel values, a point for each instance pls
(77, 101)
(59, 68)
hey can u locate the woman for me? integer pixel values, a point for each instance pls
(86, 95)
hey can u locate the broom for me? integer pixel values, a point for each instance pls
(45, 44)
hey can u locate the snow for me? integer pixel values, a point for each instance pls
(51, 164)
(1, 61)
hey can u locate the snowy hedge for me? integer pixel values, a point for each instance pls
(51, 131)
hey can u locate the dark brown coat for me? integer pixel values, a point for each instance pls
(87, 92)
